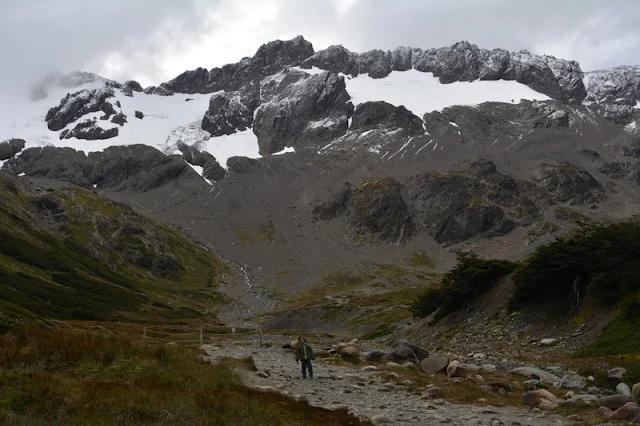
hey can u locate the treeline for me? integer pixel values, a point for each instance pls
(596, 261)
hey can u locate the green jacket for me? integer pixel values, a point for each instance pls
(304, 352)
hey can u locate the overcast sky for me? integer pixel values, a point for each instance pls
(154, 40)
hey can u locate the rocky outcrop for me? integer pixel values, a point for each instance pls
(378, 209)
(270, 58)
(457, 207)
(138, 167)
(568, 184)
(10, 147)
(108, 110)
(74, 106)
(89, 130)
(162, 90)
(334, 205)
(244, 165)
(211, 169)
(384, 116)
(226, 115)
(139, 115)
(133, 85)
(307, 114)
(119, 119)
(462, 61)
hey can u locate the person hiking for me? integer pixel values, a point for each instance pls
(304, 353)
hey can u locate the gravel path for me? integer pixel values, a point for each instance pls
(367, 395)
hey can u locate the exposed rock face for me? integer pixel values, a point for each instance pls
(335, 59)
(244, 165)
(457, 207)
(334, 205)
(211, 169)
(485, 123)
(384, 116)
(568, 184)
(462, 61)
(137, 167)
(619, 85)
(310, 113)
(74, 106)
(89, 130)
(226, 114)
(379, 209)
(270, 58)
(10, 147)
(133, 85)
(478, 201)
(108, 110)
(119, 119)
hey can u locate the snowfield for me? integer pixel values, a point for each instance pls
(421, 92)
(167, 120)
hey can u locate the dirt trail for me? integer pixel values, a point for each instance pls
(367, 395)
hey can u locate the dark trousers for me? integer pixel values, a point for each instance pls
(306, 365)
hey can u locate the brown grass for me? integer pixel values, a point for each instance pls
(69, 376)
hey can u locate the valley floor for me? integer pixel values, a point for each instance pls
(372, 395)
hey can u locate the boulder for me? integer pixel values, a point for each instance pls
(613, 401)
(350, 353)
(635, 393)
(623, 389)
(420, 353)
(605, 412)
(549, 342)
(616, 375)
(322, 353)
(401, 353)
(139, 115)
(455, 369)
(537, 373)
(628, 411)
(435, 363)
(373, 355)
(294, 344)
(539, 398)
(573, 380)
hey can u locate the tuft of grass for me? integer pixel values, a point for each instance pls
(420, 258)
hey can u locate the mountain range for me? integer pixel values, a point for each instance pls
(300, 166)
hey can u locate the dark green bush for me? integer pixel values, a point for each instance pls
(470, 278)
(601, 261)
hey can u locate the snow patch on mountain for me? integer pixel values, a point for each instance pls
(167, 120)
(421, 92)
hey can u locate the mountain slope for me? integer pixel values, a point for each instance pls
(69, 254)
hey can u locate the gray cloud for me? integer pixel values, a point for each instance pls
(152, 40)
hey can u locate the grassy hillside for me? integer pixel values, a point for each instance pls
(67, 376)
(70, 254)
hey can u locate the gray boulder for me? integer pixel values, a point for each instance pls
(421, 353)
(613, 402)
(400, 354)
(623, 389)
(537, 373)
(435, 363)
(616, 375)
(573, 380)
(373, 355)
(139, 115)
